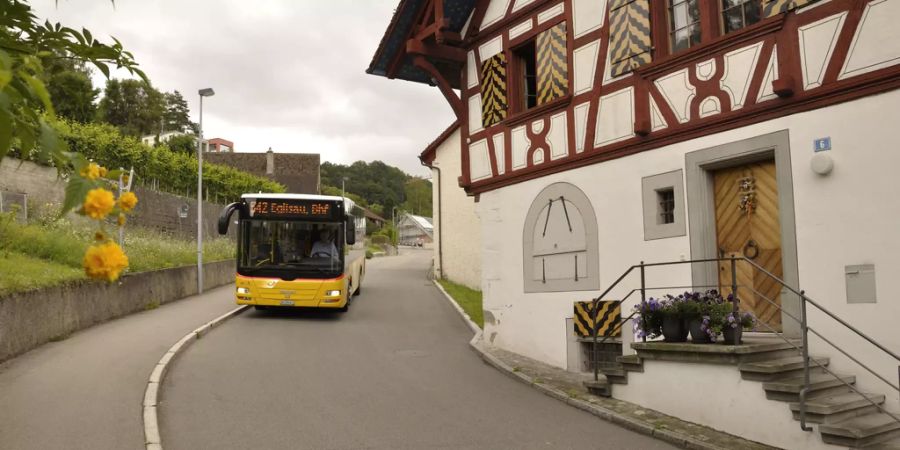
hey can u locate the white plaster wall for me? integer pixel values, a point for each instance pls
(716, 396)
(461, 228)
(851, 216)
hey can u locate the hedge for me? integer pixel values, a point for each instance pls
(172, 171)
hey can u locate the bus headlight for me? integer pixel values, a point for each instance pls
(241, 290)
(332, 293)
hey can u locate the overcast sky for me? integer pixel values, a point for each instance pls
(288, 74)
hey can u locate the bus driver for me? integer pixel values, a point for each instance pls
(324, 245)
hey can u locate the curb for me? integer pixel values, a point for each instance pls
(152, 440)
(477, 345)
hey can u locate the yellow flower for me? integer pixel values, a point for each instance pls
(105, 261)
(121, 220)
(98, 203)
(92, 171)
(103, 171)
(127, 201)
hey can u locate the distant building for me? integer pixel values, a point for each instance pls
(153, 139)
(373, 220)
(413, 229)
(298, 172)
(219, 145)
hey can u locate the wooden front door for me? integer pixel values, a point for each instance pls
(747, 223)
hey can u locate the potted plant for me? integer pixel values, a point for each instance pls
(674, 326)
(649, 318)
(705, 314)
(734, 326)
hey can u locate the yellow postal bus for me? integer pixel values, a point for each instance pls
(297, 250)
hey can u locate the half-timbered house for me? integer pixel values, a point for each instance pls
(600, 134)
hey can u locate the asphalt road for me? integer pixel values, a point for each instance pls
(394, 372)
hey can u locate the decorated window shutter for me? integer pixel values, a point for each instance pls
(629, 35)
(493, 90)
(552, 67)
(776, 7)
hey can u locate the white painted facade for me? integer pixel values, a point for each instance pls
(850, 216)
(457, 233)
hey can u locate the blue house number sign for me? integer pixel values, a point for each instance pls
(822, 144)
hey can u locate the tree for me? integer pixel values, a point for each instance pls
(133, 106)
(71, 90)
(376, 182)
(418, 197)
(27, 112)
(184, 143)
(177, 114)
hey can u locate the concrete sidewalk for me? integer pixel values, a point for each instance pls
(567, 387)
(85, 392)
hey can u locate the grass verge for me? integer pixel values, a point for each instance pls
(468, 299)
(39, 255)
(20, 272)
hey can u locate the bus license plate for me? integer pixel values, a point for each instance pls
(287, 303)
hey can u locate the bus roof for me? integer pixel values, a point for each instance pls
(291, 197)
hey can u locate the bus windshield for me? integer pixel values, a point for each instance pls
(291, 248)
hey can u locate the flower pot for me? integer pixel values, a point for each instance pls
(698, 335)
(732, 336)
(674, 329)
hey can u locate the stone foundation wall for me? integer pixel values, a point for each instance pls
(29, 319)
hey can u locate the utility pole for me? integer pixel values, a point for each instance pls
(208, 92)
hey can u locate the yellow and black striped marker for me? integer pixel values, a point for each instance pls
(609, 314)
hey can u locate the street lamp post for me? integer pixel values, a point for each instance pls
(207, 92)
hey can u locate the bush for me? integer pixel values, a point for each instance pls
(369, 254)
(104, 145)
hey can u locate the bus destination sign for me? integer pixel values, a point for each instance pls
(295, 209)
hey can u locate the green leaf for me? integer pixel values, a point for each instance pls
(103, 68)
(50, 143)
(76, 191)
(37, 86)
(6, 129)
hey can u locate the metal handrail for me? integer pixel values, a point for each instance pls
(802, 320)
(805, 390)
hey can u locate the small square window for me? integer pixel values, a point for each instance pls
(663, 205)
(666, 203)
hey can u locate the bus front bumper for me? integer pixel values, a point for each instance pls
(308, 293)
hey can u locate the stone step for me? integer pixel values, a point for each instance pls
(837, 408)
(615, 375)
(861, 432)
(770, 370)
(631, 363)
(753, 349)
(893, 444)
(599, 387)
(820, 384)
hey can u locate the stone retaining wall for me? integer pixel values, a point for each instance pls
(29, 319)
(155, 209)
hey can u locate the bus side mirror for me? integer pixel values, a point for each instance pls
(350, 230)
(225, 217)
